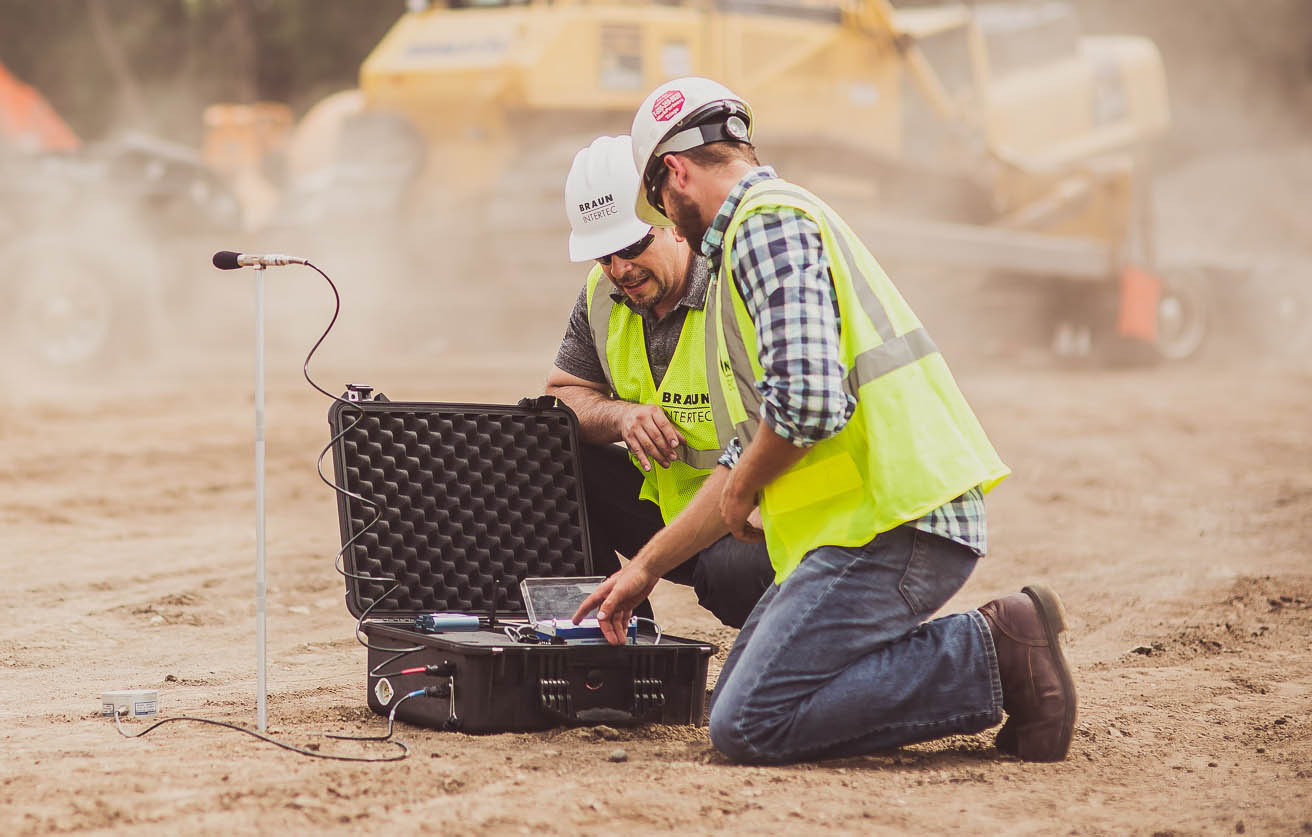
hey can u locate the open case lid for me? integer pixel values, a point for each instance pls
(473, 498)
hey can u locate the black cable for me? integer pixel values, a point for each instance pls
(405, 750)
(373, 672)
(391, 716)
(338, 559)
(338, 565)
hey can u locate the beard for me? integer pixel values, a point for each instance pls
(687, 218)
(642, 287)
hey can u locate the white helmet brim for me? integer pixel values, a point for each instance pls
(588, 246)
(599, 199)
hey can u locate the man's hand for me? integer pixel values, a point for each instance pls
(649, 434)
(766, 457)
(739, 511)
(643, 427)
(692, 530)
(617, 596)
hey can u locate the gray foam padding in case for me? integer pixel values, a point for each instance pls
(467, 497)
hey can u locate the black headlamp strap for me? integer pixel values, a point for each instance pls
(716, 122)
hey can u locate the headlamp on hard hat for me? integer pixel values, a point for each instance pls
(722, 121)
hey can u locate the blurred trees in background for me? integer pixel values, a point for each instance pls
(153, 65)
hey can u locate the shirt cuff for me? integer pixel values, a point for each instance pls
(732, 451)
(801, 428)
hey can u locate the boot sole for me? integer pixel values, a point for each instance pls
(1053, 616)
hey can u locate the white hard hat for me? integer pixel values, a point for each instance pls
(599, 194)
(682, 114)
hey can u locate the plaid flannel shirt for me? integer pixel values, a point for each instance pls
(781, 272)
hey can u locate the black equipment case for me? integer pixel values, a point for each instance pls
(446, 508)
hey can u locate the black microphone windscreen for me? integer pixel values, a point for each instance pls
(226, 260)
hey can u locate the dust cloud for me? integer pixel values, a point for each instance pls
(1232, 176)
(421, 272)
(1168, 504)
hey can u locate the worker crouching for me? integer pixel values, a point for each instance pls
(840, 418)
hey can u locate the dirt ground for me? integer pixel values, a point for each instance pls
(1171, 507)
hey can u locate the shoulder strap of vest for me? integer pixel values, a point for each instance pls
(737, 366)
(599, 309)
(812, 205)
(719, 407)
(739, 360)
(895, 351)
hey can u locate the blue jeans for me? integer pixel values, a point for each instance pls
(836, 660)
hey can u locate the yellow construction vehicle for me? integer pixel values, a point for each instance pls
(994, 136)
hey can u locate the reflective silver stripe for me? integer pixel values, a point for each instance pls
(719, 408)
(893, 352)
(738, 359)
(599, 321)
(865, 290)
(698, 457)
(888, 356)
(865, 293)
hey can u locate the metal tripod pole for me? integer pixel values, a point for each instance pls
(261, 718)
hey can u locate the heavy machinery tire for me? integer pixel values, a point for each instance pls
(74, 311)
(379, 156)
(1183, 314)
(1084, 318)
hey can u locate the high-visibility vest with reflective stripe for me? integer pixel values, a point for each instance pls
(912, 444)
(618, 334)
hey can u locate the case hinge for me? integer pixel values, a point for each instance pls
(554, 694)
(648, 695)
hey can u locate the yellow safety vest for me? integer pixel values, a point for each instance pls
(618, 334)
(912, 444)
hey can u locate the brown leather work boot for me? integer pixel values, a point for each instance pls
(1038, 693)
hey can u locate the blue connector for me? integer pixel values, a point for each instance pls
(437, 623)
(587, 632)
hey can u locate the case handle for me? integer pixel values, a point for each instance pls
(537, 403)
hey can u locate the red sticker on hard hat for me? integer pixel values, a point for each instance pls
(667, 105)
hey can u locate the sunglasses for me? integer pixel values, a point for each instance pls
(655, 180)
(631, 252)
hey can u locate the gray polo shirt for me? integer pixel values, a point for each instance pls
(578, 353)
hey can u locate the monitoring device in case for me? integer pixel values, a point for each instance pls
(552, 602)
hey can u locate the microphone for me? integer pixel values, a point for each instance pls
(228, 260)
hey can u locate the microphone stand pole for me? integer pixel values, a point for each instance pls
(260, 612)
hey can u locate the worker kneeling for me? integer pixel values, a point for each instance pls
(632, 366)
(839, 415)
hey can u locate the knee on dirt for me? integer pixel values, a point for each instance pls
(740, 736)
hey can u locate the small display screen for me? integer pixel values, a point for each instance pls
(546, 599)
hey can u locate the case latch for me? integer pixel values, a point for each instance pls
(359, 392)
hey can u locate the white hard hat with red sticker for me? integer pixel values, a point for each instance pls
(599, 195)
(682, 114)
